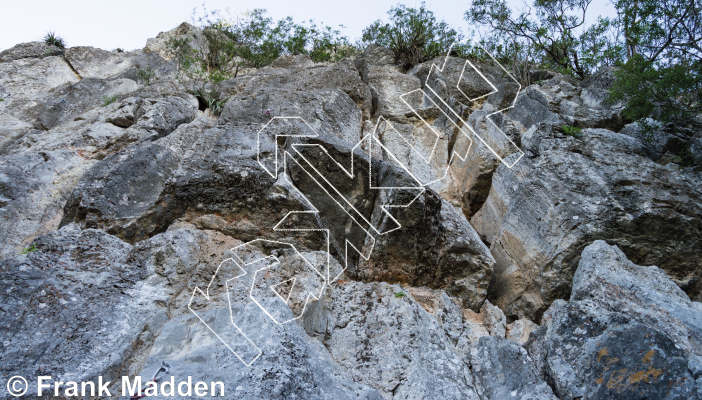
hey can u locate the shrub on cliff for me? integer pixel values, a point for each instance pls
(253, 40)
(413, 34)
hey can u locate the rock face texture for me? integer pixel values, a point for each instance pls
(544, 211)
(68, 307)
(343, 230)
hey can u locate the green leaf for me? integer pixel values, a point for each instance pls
(572, 131)
(30, 249)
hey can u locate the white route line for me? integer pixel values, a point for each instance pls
(371, 138)
(206, 295)
(273, 264)
(434, 68)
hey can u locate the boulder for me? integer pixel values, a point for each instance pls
(519, 330)
(283, 361)
(302, 368)
(494, 320)
(276, 87)
(504, 370)
(627, 331)
(124, 186)
(29, 50)
(463, 326)
(159, 44)
(445, 309)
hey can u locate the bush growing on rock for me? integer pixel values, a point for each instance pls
(413, 35)
(146, 75)
(254, 41)
(226, 45)
(107, 100)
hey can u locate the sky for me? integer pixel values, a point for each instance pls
(127, 24)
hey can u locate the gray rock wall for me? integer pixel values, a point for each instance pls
(153, 231)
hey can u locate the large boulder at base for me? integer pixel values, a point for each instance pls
(504, 370)
(386, 340)
(628, 331)
(281, 361)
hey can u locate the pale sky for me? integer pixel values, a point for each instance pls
(128, 23)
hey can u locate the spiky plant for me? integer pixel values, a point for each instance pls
(52, 39)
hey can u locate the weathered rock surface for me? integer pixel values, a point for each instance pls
(159, 44)
(541, 214)
(504, 370)
(628, 331)
(291, 363)
(69, 101)
(389, 342)
(543, 107)
(33, 190)
(25, 83)
(519, 330)
(69, 308)
(89, 62)
(435, 274)
(29, 50)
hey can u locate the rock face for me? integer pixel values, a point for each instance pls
(544, 211)
(627, 330)
(389, 342)
(68, 308)
(342, 230)
(33, 190)
(29, 50)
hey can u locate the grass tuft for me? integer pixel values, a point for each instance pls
(107, 100)
(52, 39)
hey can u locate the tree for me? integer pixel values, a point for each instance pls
(550, 31)
(662, 77)
(661, 28)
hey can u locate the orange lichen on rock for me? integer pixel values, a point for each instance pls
(647, 376)
(603, 353)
